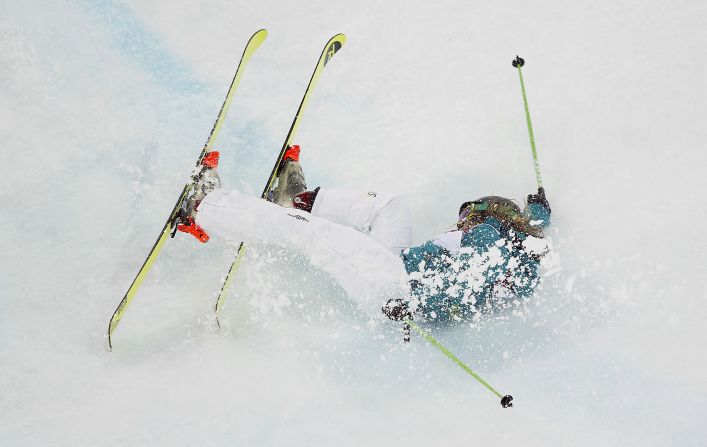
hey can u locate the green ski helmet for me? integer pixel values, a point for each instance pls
(506, 211)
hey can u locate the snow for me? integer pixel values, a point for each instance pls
(104, 106)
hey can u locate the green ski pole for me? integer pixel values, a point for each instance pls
(518, 62)
(506, 401)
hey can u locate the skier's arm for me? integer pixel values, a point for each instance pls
(423, 257)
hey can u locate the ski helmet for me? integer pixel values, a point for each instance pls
(506, 211)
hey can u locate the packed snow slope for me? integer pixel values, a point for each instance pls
(105, 104)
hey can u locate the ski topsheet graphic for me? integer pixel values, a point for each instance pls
(255, 41)
(330, 49)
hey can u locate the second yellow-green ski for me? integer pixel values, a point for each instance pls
(332, 46)
(255, 41)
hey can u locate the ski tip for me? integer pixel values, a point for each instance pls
(518, 61)
(113, 324)
(257, 39)
(261, 33)
(507, 401)
(334, 45)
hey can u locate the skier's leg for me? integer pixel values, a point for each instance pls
(384, 217)
(367, 270)
(392, 225)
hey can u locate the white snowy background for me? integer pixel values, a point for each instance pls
(104, 106)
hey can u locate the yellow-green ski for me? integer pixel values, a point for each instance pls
(331, 47)
(255, 41)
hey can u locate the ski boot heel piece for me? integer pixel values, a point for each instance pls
(210, 160)
(195, 230)
(292, 153)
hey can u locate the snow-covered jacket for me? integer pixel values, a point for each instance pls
(489, 264)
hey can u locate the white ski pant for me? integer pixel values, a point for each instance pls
(384, 217)
(355, 237)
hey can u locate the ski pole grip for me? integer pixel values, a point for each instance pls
(507, 401)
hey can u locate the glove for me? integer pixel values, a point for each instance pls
(396, 309)
(540, 199)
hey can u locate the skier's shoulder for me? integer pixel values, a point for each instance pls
(426, 257)
(483, 234)
(424, 250)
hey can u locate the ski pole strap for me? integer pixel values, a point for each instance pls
(518, 62)
(505, 400)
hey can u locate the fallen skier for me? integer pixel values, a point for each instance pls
(364, 241)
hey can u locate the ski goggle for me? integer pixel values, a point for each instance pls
(471, 207)
(501, 210)
(505, 211)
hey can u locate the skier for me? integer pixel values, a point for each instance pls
(364, 241)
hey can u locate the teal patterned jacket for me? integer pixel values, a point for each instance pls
(494, 265)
